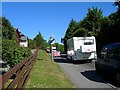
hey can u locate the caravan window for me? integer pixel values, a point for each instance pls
(88, 42)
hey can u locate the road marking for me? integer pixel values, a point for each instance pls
(113, 86)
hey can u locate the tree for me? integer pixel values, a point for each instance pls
(0, 27)
(8, 31)
(71, 28)
(31, 44)
(56, 45)
(117, 3)
(92, 22)
(109, 31)
(40, 42)
(89, 26)
(12, 53)
(59, 47)
(80, 32)
(110, 28)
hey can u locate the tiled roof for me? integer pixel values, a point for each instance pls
(22, 36)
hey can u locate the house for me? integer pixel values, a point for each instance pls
(22, 40)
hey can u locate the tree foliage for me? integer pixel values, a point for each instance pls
(8, 31)
(92, 22)
(89, 26)
(105, 29)
(117, 3)
(59, 47)
(71, 29)
(31, 44)
(12, 53)
(40, 42)
(110, 32)
(0, 27)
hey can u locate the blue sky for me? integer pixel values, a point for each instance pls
(49, 18)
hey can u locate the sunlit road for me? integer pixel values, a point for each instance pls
(83, 74)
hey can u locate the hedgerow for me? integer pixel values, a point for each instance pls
(12, 53)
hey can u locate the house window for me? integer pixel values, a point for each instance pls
(22, 40)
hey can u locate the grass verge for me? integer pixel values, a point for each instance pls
(47, 74)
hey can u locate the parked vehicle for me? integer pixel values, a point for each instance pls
(81, 48)
(47, 50)
(56, 53)
(109, 61)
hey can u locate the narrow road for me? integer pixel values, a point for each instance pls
(83, 75)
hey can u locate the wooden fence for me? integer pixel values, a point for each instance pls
(17, 76)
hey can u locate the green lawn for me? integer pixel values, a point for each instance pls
(47, 74)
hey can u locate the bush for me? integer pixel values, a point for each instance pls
(12, 53)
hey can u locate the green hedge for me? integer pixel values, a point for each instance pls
(0, 48)
(12, 53)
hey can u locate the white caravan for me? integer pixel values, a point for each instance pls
(81, 48)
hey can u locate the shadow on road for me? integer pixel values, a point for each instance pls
(65, 60)
(103, 78)
(61, 60)
(80, 62)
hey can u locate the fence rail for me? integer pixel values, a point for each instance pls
(17, 76)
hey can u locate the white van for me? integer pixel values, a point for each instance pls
(81, 48)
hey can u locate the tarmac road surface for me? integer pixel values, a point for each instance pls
(83, 74)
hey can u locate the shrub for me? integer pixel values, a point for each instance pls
(12, 53)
